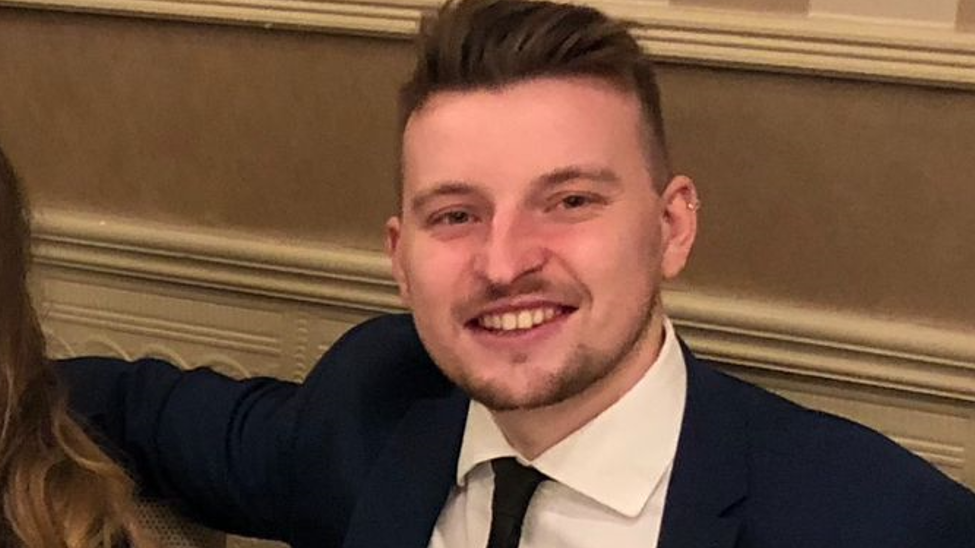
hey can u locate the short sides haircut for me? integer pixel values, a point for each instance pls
(488, 44)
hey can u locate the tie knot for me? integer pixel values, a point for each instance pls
(514, 486)
(509, 474)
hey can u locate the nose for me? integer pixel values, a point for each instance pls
(511, 249)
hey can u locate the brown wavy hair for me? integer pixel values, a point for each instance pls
(57, 488)
(488, 44)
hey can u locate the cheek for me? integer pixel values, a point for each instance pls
(613, 258)
(436, 271)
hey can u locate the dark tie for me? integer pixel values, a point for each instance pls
(514, 486)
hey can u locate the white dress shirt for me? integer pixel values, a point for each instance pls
(608, 479)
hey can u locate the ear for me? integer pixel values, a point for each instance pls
(395, 253)
(681, 204)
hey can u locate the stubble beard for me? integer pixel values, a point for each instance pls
(584, 368)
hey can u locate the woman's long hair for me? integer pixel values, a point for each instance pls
(57, 488)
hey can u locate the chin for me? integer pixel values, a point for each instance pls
(499, 399)
(513, 392)
(499, 391)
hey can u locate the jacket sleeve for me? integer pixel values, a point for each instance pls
(219, 449)
(946, 512)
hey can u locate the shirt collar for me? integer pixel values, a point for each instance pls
(604, 460)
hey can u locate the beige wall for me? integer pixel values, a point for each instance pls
(935, 12)
(889, 11)
(221, 127)
(966, 15)
(790, 6)
(840, 194)
(832, 193)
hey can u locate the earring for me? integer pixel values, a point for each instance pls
(694, 206)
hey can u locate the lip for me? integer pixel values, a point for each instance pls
(512, 339)
(516, 305)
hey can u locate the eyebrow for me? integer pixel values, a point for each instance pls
(446, 188)
(554, 178)
(566, 174)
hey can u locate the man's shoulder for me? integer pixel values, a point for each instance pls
(805, 464)
(783, 433)
(384, 352)
(373, 374)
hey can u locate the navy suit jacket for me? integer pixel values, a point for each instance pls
(363, 455)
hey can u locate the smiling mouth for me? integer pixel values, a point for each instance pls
(514, 321)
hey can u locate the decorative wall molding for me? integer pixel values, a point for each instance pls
(392, 18)
(864, 49)
(158, 328)
(300, 271)
(769, 337)
(945, 456)
(840, 346)
(871, 49)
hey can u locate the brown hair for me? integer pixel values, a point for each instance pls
(57, 488)
(471, 44)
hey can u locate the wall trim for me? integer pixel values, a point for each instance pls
(834, 345)
(869, 49)
(291, 270)
(865, 49)
(765, 336)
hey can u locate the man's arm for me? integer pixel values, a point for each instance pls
(220, 449)
(946, 511)
(261, 457)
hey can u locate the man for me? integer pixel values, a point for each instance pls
(539, 217)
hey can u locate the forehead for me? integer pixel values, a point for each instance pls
(516, 132)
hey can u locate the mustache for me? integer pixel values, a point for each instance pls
(489, 293)
(521, 286)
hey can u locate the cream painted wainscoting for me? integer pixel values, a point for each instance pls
(249, 307)
(242, 306)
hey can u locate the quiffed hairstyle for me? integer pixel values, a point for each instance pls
(57, 488)
(475, 44)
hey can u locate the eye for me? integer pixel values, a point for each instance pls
(451, 217)
(574, 201)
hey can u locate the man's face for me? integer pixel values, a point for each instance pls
(532, 243)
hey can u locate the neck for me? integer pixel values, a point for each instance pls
(533, 431)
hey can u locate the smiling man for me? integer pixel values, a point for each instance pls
(536, 227)
(532, 244)
(538, 218)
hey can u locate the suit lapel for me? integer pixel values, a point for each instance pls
(414, 474)
(710, 468)
(412, 477)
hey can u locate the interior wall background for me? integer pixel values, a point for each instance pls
(211, 181)
(224, 128)
(836, 193)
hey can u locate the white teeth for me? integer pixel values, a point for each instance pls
(523, 319)
(538, 316)
(509, 321)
